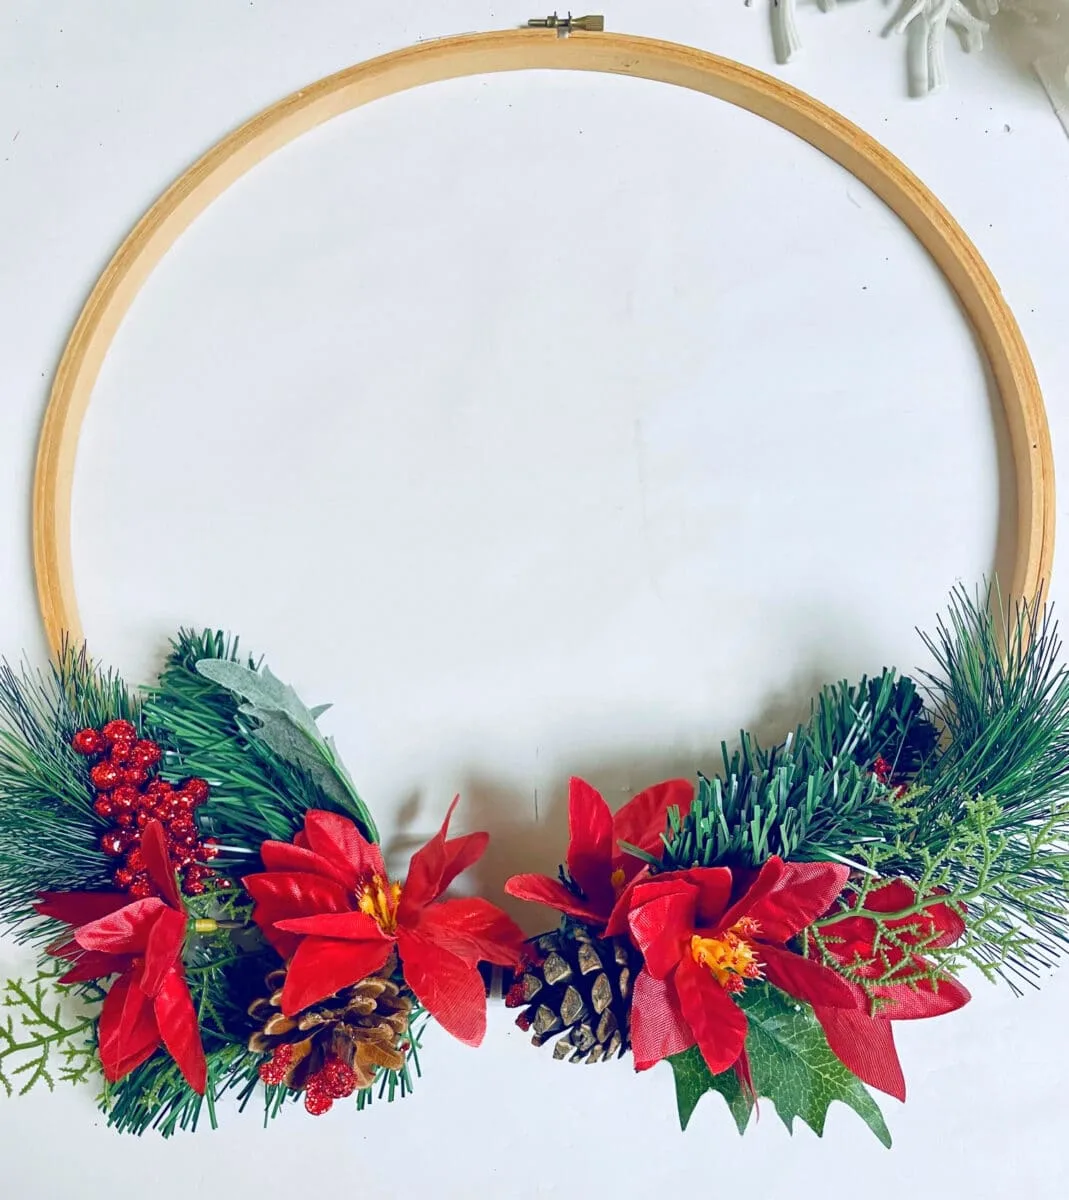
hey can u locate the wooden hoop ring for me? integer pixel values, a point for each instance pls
(451, 58)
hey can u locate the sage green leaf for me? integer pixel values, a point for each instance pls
(793, 1066)
(693, 1079)
(287, 726)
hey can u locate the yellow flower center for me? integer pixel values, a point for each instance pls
(731, 957)
(617, 879)
(378, 898)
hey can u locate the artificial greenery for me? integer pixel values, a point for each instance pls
(49, 834)
(47, 1031)
(790, 1064)
(257, 794)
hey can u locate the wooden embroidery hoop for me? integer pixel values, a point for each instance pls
(517, 50)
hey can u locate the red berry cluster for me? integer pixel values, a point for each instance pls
(128, 794)
(335, 1080)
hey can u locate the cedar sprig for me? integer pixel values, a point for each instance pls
(49, 834)
(48, 1032)
(974, 872)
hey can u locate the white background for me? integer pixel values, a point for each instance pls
(546, 424)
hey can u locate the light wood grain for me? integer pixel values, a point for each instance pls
(430, 62)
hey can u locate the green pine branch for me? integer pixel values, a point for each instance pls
(48, 831)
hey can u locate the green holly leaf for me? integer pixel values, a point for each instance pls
(693, 1079)
(793, 1066)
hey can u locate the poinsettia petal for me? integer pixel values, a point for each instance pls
(661, 925)
(449, 988)
(787, 896)
(714, 891)
(807, 980)
(177, 1021)
(423, 885)
(921, 998)
(590, 843)
(658, 1027)
(346, 926)
(79, 908)
(540, 889)
(866, 1046)
(285, 856)
(124, 931)
(90, 964)
(163, 949)
(340, 842)
(718, 1024)
(460, 854)
(616, 925)
(158, 863)
(322, 966)
(127, 1033)
(282, 895)
(474, 929)
(641, 821)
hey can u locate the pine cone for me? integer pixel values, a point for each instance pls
(364, 1025)
(580, 991)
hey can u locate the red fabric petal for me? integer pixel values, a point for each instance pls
(540, 889)
(714, 891)
(434, 866)
(163, 949)
(866, 1046)
(920, 999)
(285, 856)
(807, 980)
(79, 908)
(281, 895)
(590, 844)
(90, 964)
(124, 931)
(321, 966)
(345, 927)
(718, 1024)
(339, 841)
(158, 862)
(475, 930)
(658, 1027)
(616, 925)
(642, 820)
(460, 854)
(786, 897)
(127, 1033)
(449, 988)
(661, 926)
(177, 1021)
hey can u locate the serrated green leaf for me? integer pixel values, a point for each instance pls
(693, 1079)
(287, 726)
(792, 1065)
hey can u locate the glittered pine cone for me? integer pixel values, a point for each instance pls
(579, 994)
(365, 1026)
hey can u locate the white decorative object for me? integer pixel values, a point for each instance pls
(933, 17)
(927, 21)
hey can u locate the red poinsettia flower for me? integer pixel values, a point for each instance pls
(325, 904)
(700, 949)
(149, 1005)
(596, 863)
(861, 1038)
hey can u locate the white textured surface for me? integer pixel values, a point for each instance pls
(545, 424)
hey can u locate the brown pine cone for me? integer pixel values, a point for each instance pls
(579, 993)
(365, 1025)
